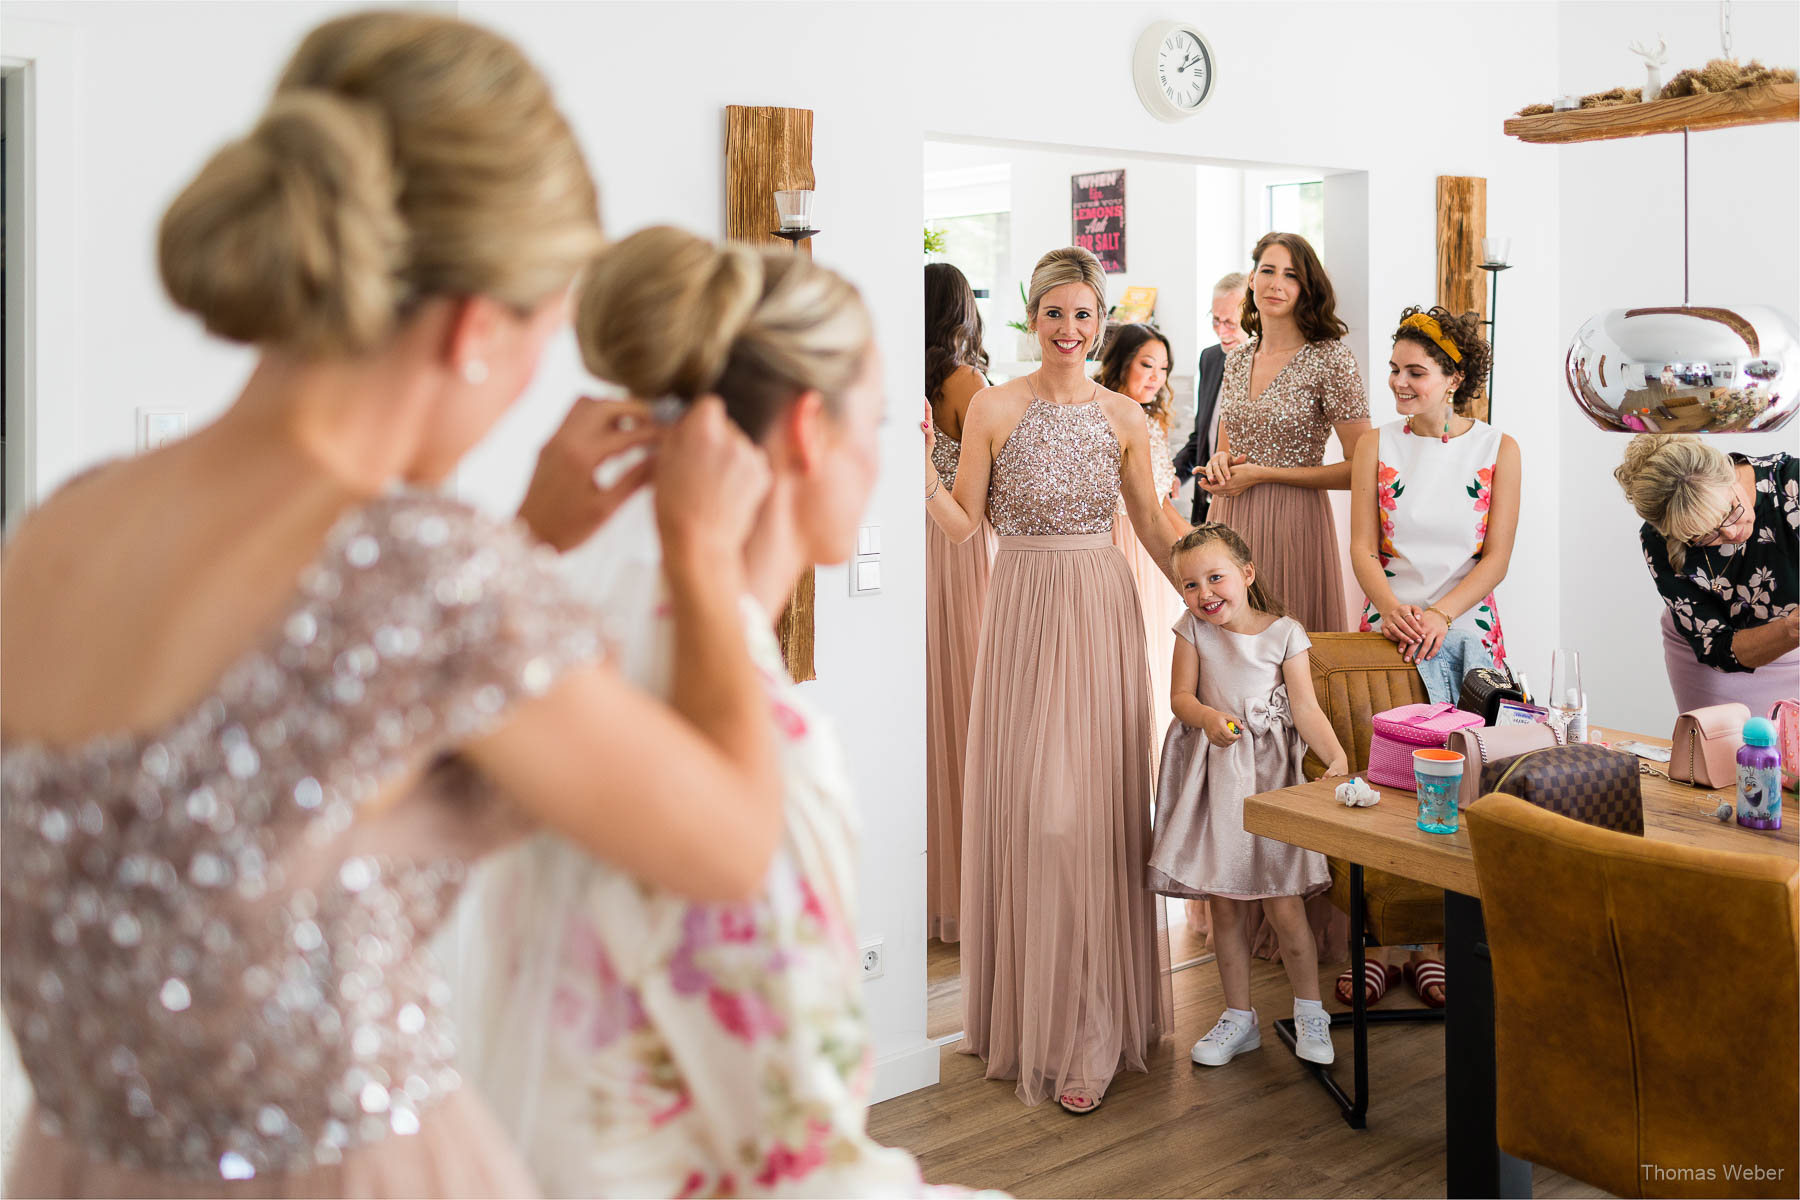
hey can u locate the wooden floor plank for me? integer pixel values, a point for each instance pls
(1257, 1127)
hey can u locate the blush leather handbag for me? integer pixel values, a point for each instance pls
(1490, 744)
(1706, 743)
(1400, 731)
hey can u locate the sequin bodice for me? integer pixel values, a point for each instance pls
(1162, 466)
(1287, 425)
(1057, 474)
(946, 453)
(215, 955)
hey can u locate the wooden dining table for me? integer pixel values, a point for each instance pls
(1386, 836)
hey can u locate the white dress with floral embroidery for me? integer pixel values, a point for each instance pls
(1433, 499)
(645, 1045)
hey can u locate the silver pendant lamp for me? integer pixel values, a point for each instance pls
(1687, 368)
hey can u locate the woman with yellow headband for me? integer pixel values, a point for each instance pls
(1434, 504)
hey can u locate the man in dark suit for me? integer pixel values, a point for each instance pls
(1228, 302)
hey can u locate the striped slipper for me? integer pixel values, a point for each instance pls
(1427, 981)
(1377, 979)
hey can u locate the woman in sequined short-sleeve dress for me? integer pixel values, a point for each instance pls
(265, 698)
(956, 584)
(1063, 956)
(1285, 392)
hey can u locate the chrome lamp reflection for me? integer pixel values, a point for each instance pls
(1687, 369)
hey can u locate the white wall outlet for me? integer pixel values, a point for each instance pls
(870, 955)
(159, 426)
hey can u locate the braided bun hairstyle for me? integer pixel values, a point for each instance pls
(667, 313)
(404, 155)
(1679, 485)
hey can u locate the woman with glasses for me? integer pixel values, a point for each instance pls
(1720, 539)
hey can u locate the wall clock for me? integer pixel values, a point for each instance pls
(1174, 70)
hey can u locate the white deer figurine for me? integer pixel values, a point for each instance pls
(1653, 59)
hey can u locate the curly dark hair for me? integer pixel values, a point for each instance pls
(1464, 333)
(1115, 364)
(1316, 312)
(952, 327)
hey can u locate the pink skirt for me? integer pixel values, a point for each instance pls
(1162, 607)
(1697, 685)
(458, 1151)
(1064, 962)
(956, 584)
(1293, 540)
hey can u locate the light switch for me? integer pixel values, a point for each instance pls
(868, 540)
(865, 576)
(159, 426)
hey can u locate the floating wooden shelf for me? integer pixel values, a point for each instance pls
(1717, 110)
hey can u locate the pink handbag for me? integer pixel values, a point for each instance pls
(1786, 715)
(1706, 743)
(1400, 731)
(1490, 744)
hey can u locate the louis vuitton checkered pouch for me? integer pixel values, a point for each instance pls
(1592, 784)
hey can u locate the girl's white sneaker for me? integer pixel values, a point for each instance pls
(1229, 1038)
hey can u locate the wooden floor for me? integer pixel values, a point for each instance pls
(1257, 1127)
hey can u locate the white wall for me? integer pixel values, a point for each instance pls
(1299, 82)
(1621, 233)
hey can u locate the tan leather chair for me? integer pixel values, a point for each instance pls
(1355, 676)
(1646, 1026)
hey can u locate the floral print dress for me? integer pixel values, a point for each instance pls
(1433, 498)
(641, 1044)
(1722, 589)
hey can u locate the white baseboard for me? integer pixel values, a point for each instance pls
(905, 1071)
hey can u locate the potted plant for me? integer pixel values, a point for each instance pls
(1029, 351)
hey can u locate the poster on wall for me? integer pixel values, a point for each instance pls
(1097, 209)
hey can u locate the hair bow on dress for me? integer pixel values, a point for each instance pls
(1262, 715)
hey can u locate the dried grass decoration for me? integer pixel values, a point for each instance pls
(1719, 75)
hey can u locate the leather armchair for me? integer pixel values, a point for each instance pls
(1650, 988)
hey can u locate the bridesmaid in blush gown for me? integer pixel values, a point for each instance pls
(956, 583)
(1063, 957)
(267, 696)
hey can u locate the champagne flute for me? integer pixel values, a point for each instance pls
(1567, 709)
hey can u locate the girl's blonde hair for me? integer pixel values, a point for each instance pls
(403, 155)
(1214, 531)
(1071, 264)
(667, 313)
(1675, 481)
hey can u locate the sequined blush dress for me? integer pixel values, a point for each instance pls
(1063, 957)
(1290, 530)
(956, 584)
(215, 961)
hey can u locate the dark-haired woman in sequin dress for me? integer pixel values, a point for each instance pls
(228, 665)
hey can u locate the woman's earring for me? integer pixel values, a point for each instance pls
(475, 371)
(1450, 408)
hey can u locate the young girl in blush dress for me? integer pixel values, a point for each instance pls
(1245, 715)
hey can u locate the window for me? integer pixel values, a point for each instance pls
(980, 244)
(1299, 208)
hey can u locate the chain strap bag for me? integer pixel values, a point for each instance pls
(1706, 744)
(1479, 747)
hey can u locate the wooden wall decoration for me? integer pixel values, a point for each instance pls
(1462, 286)
(769, 150)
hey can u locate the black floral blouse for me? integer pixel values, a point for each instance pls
(1722, 589)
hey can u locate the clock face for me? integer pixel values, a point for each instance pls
(1183, 69)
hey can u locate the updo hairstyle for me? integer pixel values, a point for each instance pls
(1464, 332)
(403, 156)
(667, 313)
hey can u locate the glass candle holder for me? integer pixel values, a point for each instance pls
(796, 208)
(1496, 251)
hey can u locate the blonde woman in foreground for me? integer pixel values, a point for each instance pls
(229, 663)
(643, 1043)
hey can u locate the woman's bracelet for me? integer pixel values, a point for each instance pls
(1440, 612)
(934, 489)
